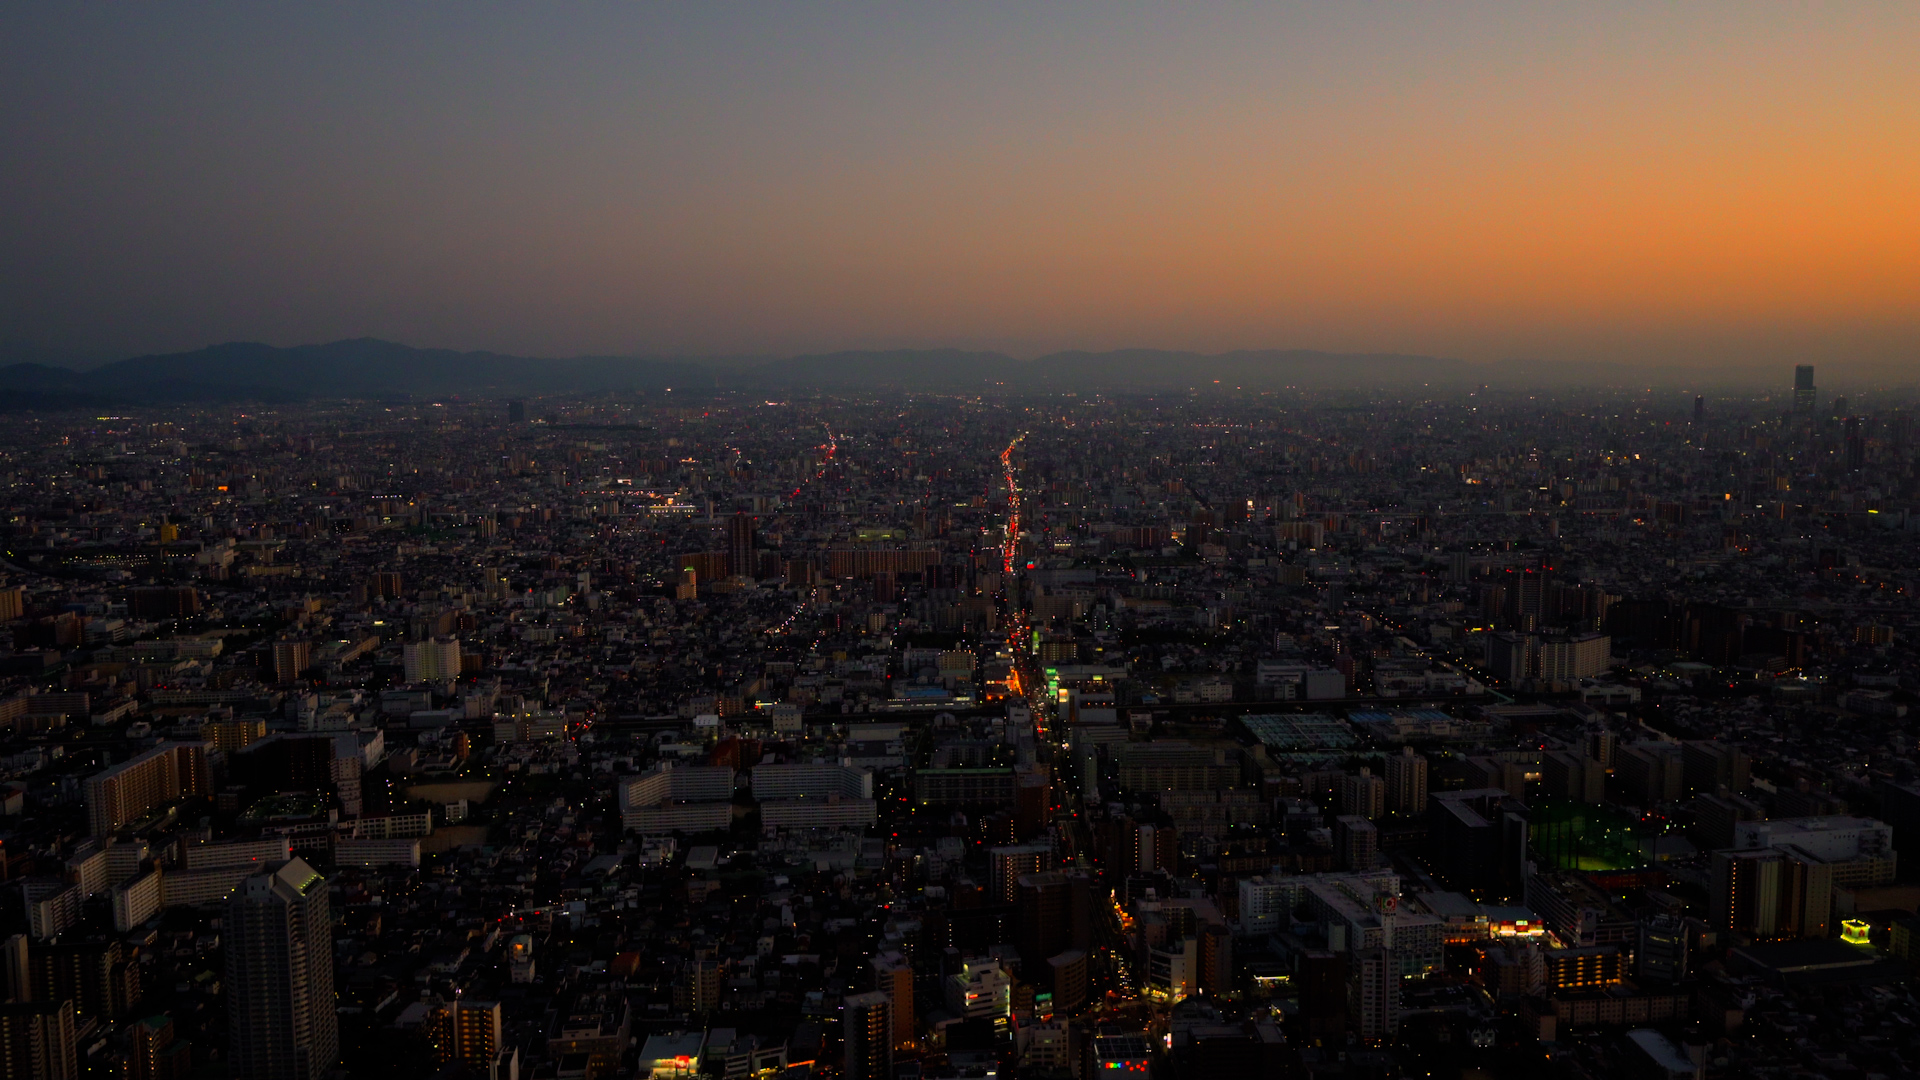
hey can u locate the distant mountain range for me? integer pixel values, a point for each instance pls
(369, 368)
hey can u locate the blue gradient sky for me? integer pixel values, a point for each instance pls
(1715, 184)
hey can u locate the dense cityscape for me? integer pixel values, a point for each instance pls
(896, 736)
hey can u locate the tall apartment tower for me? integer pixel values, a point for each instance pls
(1364, 795)
(280, 1005)
(1008, 863)
(290, 658)
(893, 976)
(868, 1036)
(1323, 995)
(1373, 995)
(740, 545)
(1407, 782)
(1356, 842)
(705, 978)
(38, 1041)
(433, 660)
(467, 1032)
(16, 974)
(124, 792)
(1804, 395)
(1044, 912)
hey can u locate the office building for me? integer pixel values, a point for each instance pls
(1805, 398)
(1173, 969)
(1479, 840)
(279, 984)
(1662, 952)
(1046, 1046)
(1858, 851)
(981, 988)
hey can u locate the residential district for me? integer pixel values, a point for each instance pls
(894, 737)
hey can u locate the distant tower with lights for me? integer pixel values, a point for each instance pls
(1804, 395)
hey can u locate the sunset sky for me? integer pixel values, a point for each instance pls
(1730, 184)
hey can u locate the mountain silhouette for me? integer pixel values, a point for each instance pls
(371, 368)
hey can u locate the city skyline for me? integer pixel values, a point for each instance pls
(718, 733)
(1714, 189)
(1304, 540)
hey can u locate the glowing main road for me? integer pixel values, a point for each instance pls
(826, 462)
(1010, 547)
(1022, 680)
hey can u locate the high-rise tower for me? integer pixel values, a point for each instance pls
(867, 1036)
(280, 1004)
(740, 545)
(1803, 393)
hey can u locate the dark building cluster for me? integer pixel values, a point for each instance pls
(916, 736)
